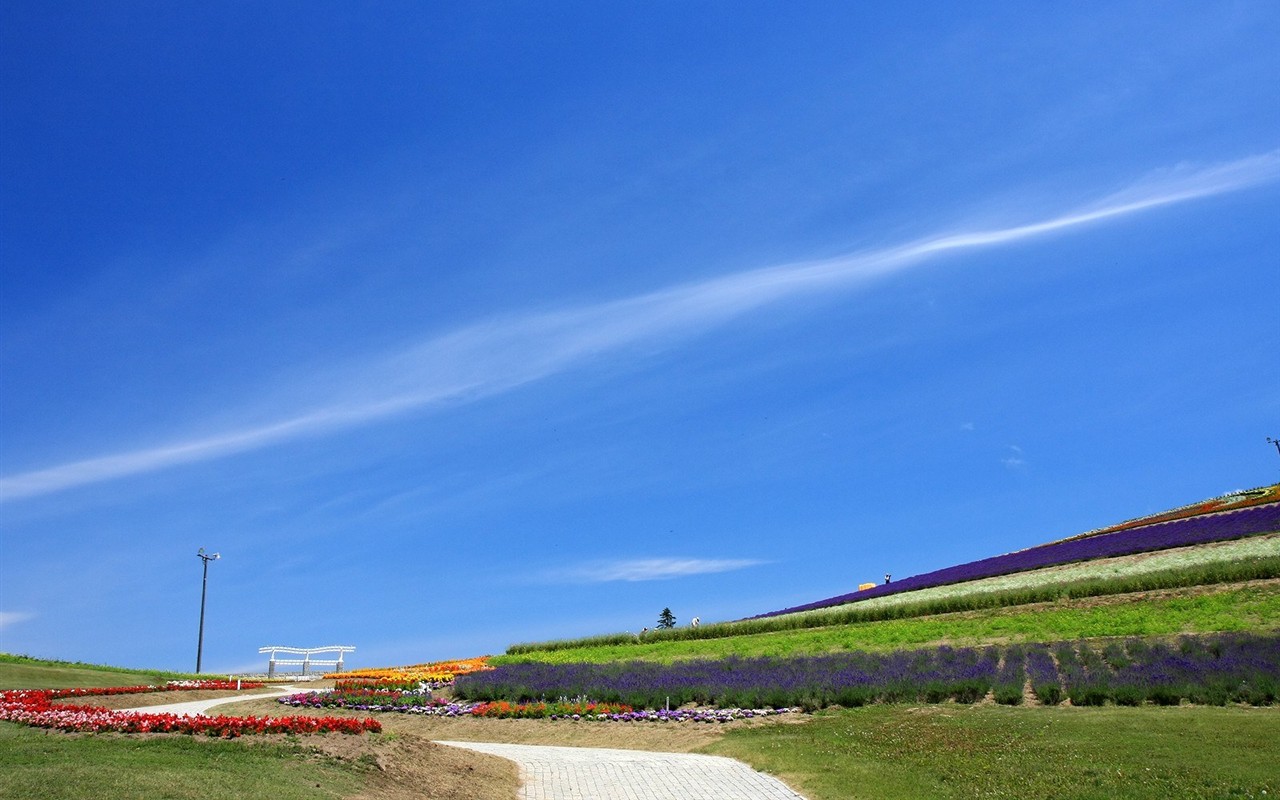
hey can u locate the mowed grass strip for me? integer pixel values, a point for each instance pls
(1249, 607)
(941, 751)
(54, 766)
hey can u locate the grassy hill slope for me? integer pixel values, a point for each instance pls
(1222, 586)
(23, 672)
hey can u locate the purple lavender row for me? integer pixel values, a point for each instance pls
(1205, 669)
(848, 679)
(1160, 536)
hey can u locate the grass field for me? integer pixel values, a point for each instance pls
(1254, 606)
(51, 766)
(906, 752)
(1256, 558)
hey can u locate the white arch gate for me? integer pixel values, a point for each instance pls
(306, 662)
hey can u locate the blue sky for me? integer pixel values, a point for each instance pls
(459, 326)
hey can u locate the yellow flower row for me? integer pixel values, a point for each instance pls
(437, 671)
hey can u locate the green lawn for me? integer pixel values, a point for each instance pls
(947, 751)
(53, 766)
(1202, 610)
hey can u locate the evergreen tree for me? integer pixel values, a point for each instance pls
(666, 619)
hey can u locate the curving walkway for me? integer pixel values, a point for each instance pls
(197, 708)
(588, 773)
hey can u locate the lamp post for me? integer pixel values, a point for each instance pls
(204, 587)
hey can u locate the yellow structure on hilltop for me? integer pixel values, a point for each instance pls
(864, 586)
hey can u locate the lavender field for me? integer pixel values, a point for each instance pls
(1214, 669)
(1148, 538)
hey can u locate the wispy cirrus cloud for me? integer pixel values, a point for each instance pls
(501, 354)
(646, 569)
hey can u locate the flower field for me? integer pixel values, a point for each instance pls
(435, 675)
(37, 708)
(583, 710)
(1227, 502)
(363, 699)
(1209, 671)
(1212, 669)
(1222, 554)
(1146, 538)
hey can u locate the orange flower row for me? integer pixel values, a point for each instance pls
(434, 672)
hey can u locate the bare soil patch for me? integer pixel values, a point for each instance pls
(409, 767)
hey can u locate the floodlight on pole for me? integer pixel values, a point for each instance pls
(204, 587)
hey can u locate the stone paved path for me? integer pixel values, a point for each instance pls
(588, 773)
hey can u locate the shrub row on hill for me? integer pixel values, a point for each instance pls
(1213, 669)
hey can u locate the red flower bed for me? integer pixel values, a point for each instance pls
(35, 707)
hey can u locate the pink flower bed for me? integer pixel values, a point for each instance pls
(171, 686)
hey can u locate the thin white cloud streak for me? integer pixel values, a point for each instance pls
(502, 354)
(11, 618)
(648, 569)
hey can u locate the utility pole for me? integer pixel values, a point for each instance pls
(1276, 443)
(204, 588)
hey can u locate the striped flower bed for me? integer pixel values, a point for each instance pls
(1160, 536)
